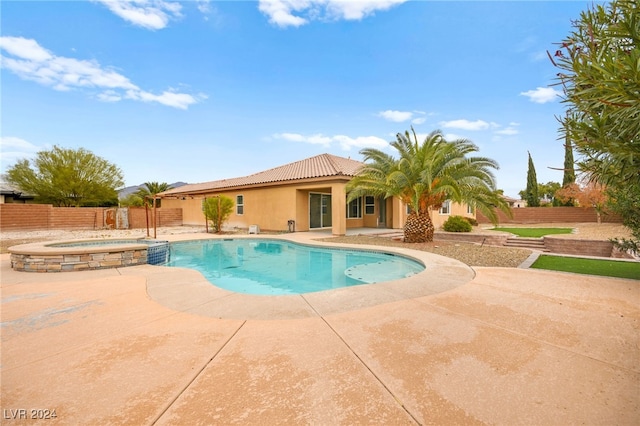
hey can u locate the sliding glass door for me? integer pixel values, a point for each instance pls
(319, 210)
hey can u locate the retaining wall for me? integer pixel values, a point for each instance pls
(597, 248)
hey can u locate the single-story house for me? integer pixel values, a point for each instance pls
(11, 194)
(304, 195)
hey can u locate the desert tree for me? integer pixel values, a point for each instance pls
(587, 194)
(68, 177)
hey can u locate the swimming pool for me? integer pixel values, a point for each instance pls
(275, 267)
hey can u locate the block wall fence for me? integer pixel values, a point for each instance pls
(24, 217)
(33, 217)
(552, 215)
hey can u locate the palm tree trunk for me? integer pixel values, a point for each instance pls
(418, 228)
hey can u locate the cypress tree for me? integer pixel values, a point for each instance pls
(531, 193)
(569, 172)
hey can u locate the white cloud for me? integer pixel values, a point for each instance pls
(286, 13)
(149, 14)
(317, 139)
(345, 142)
(401, 116)
(109, 96)
(509, 131)
(396, 116)
(30, 61)
(452, 137)
(467, 125)
(542, 95)
(204, 6)
(356, 10)
(168, 98)
(13, 149)
(25, 48)
(279, 12)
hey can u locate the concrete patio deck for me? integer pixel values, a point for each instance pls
(154, 345)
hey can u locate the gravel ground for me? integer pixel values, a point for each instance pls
(471, 254)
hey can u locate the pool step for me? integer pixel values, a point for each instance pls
(525, 242)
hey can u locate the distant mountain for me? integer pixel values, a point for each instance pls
(131, 189)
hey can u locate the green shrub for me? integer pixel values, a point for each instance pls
(472, 221)
(457, 224)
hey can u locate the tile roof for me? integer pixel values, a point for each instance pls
(323, 165)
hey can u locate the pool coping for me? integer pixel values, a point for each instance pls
(47, 248)
(187, 290)
(84, 255)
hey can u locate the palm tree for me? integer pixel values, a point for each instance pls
(427, 174)
(149, 191)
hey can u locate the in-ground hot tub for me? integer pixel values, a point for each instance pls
(82, 255)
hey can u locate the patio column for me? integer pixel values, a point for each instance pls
(398, 215)
(338, 209)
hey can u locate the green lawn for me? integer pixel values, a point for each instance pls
(578, 265)
(534, 232)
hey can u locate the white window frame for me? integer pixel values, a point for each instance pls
(240, 205)
(369, 208)
(470, 209)
(445, 209)
(358, 202)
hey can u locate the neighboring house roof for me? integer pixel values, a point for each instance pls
(323, 165)
(9, 189)
(509, 199)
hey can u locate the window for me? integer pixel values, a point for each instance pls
(354, 209)
(369, 205)
(446, 207)
(239, 204)
(469, 209)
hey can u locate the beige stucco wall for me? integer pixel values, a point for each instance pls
(400, 214)
(456, 210)
(272, 207)
(268, 208)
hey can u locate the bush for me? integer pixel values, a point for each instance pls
(457, 224)
(218, 209)
(472, 221)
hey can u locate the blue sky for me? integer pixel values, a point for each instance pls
(198, 91)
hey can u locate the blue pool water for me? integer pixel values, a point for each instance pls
(272, 267)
